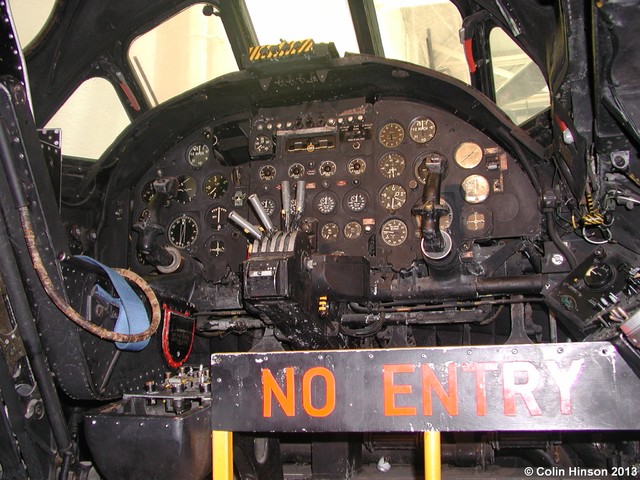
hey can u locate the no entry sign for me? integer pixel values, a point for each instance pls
(574, 386)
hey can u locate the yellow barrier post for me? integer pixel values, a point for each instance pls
(432, 460)
(222, 455)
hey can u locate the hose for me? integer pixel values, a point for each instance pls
(67, 310)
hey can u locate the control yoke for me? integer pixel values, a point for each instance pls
(431, 208)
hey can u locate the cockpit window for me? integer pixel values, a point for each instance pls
(187, 50)
(327, 21)
(87, 132)
(424, 32)
(521, 90)
(30, 16)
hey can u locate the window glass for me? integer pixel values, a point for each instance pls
(425, 32)
(521, 90)
(29, 17)
(90, 119)
(290, 20)
(183, 52)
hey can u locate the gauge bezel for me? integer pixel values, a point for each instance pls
(405, 233)
(475, 199)
(359, 172)
(383, 132)
(389, 155)
(349, 194)
(190, 149)
(488, 221)
(264, 167)
(262, 148)
(429, 136)
(352, 224)
(331, 172)
(466, 162)
(209, 216)
(208, 246)
(328, 194)
(296, 176)
(330, 225)
(388, 208)
(206, 181)
(266, 209)
(144, 190)
(182, 195)
(194, 237)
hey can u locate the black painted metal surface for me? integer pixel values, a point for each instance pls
(573, 386)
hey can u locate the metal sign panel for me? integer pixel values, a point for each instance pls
(573, 386)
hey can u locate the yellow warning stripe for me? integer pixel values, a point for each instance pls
(283, 49)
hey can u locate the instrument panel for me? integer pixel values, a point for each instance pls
(363, 167)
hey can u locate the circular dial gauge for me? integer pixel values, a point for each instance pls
(198, 154)
(394, 232)
(327, 168)
(391, 135)
(183, 231)
(186, 189)
(296, 170)
(147, 192)
(356, 201)
(267, 173)
(216, 217)
(262, 144)
(330, 231)
(269, 205)
(475, 222)
(599, 275)
(420, 170)
(352, 230)
(475, 189)
(393, 197)
(326, 203)
(422, 130)
(392, 165)
(216, 186)
(216, 247)
(357, 166)
(468, 155)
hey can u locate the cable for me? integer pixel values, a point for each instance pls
(407, 306)
(67, 310)
(367, 331)
(633, 178)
